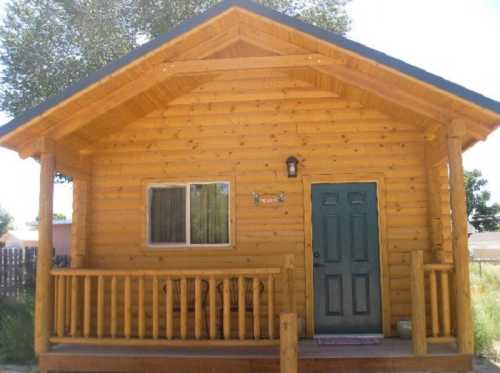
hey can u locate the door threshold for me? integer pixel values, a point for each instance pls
(361, 336)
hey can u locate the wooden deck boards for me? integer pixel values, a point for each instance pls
(392, 355)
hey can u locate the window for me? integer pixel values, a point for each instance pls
(188, 214)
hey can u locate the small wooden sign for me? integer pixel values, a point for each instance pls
(268, 199)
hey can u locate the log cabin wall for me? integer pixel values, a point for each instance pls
(242, 127)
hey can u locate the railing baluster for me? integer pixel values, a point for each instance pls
(445, 303)
(270, 306)
(100, 306)
(241, 307)
(86, 307)
(197, 307)
(113, 307)
(226, 309)
(56, 303)
(155, 308)
(169, 310)
(141, 323)
(256, 308)
(127, 307)
(74, 306)
(184, 305)
(61, 296)
(213, 307)
(434, 303)
(67, 317)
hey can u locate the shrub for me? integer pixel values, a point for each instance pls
(486, 308)
(16, 331)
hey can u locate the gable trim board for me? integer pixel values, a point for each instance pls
(379, 58)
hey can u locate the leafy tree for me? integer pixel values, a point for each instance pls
(6, 221)
(45, 45)
(482, 215)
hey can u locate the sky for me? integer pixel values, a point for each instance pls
(451, 38)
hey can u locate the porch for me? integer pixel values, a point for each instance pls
(226, 319)
(391, 355)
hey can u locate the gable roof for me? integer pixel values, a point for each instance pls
(335, 39)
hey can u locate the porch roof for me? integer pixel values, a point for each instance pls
(418, 96)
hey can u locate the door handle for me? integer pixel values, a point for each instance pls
(316, 265)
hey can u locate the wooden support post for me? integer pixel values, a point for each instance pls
(45, 247)
(79, 222)
(419, 336)
(456, 132)
(288, 343)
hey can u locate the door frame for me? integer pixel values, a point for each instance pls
(343, 178)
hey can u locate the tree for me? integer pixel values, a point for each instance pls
(482, 215)
(45, 45)
(6, 221)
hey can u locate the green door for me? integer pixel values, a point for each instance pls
(346, 258)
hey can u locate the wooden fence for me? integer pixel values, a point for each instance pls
(18, 270)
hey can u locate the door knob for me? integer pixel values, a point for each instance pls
(316, 254)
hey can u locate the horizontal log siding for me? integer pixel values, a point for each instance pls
(219, 131)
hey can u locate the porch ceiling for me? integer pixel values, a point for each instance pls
(239, 39)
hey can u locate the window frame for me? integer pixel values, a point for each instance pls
(187, 244)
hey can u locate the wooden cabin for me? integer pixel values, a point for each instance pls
(247, 188)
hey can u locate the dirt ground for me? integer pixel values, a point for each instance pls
(481, 365)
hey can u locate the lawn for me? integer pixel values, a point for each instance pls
(485, 285)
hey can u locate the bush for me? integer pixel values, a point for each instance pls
(486, 308)
(16, 331)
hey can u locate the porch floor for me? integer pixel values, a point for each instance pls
(392, 355)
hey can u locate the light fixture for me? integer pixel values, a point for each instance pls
(291, 166)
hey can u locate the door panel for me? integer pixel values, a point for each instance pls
(346, 258)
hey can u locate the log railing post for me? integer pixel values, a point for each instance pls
(45, 247)
(419, 334)
(288, 321)
(456, 132)
(288, 343)
(289, 285)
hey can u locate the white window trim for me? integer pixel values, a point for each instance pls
(187, 244)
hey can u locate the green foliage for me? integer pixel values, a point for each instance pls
(45, 45)
(5, 221)
(16, 331)
(482, 215)
(485, 285)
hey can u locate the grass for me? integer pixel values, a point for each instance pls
(485, 285)
(16, 331)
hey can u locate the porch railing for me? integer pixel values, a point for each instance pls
(162, 307)
(437, 296)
